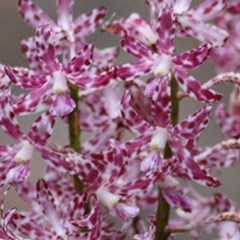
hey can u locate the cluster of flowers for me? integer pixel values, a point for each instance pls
(91, 185)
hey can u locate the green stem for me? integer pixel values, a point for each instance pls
(163, 209)
(75, 132)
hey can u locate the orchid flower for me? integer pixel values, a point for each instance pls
(53, 87)
(155, 123)
(15, 158)
(162, 61)
(62, 222)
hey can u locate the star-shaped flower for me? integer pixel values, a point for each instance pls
(161, 59)
(154, 123)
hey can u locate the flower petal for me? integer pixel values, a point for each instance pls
(208, 9)
(161, 102)
(130, 117)
(41, 130)
(187, 163)
(130, 71)
(190, 129)
(31, 101)
(87, 23)
(32, 14)
(135, 48)
(193, 58)
(80, 62)
(63, 105)
(166, 30)
(194, 88)
(8, 119)
(204, 32)
(64, 13)
(230, 125)
(25, 78)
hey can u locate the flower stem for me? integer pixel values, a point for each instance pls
(75, 132)
(163, 210)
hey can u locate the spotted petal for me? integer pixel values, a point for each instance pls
(87, 23)
(230, 125)
(64, 13)
(24, 78)
(42, 129)
(5, 82)
(8, 119)
(190, 129)
(80, 62)
(95, 80)
(166, 30)
(161, 102)
(189, 166)
(204, 32)
(135, 48)
(194, 88)
(192, 58)
(130, 71)
(131, 118)
(32, 101)
(32, 14)
(208, 9)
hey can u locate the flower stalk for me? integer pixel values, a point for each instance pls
(75, 131)
(163, 210)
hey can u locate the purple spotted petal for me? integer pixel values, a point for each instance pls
(87, 23)
(96, 81)
(24, 78)
(31, 101)
(8, 119)
(180, 6)
(152, 162)
(63, 105)
(204, 32)
(5, 167)
(86, 171)
(138, 27)
(190, 129)
(223, 154)
(161, 102)
(125, 212)
(30, 228)
(208, 9)
(80, 62)
(130, 71)
(5, 82)
(192, 58)
(42, 129)
(189, 166)
(43, 38)
(29, 49)
(32, 14)
(192, 169)
(57, 160)
(194, 88)
(135, 48)
(176, 198)
(19, 174)
(64, 13)
(91, 221)
(49, 60)
(48, 207)
(230, 125)
(166, 30)
(130, 117)
(6, 150)
(105, 58)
